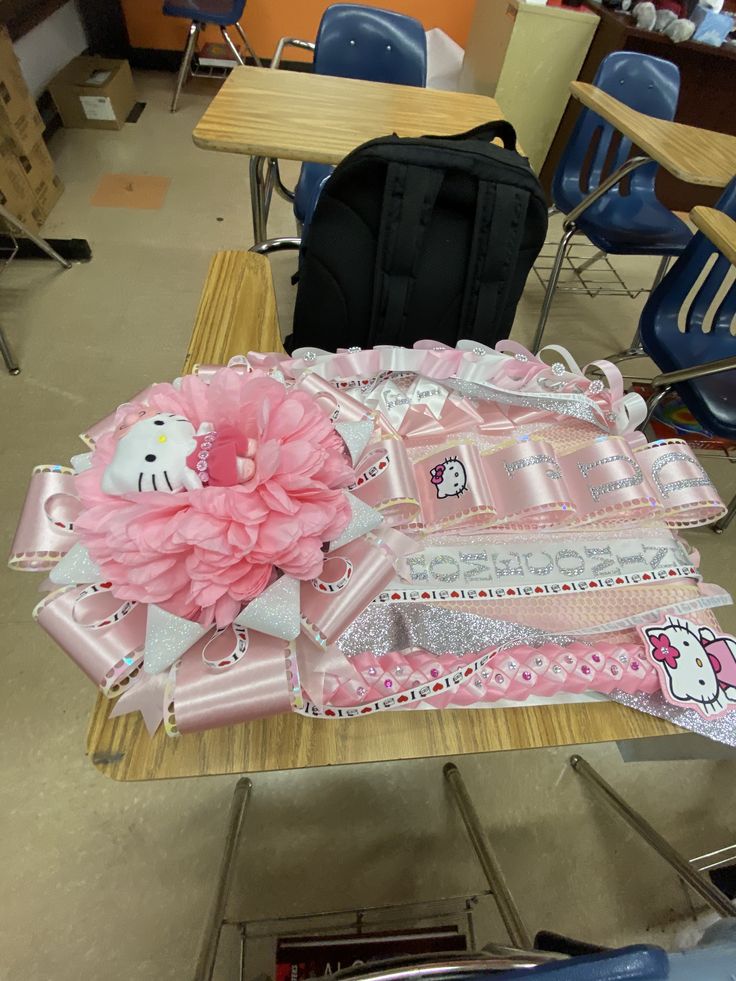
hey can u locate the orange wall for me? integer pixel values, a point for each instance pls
(265, 21)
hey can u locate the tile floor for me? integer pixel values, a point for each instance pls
(113, 880)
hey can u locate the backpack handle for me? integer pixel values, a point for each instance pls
(500, 128)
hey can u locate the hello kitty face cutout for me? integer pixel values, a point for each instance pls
(696, 668)
(449, 478)
(151, 455)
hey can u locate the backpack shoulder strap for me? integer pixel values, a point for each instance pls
(500, 213)
(409, 197)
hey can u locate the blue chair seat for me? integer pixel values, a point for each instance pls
(634, 226)
(711, 399)
(204, 11)
(310, 178)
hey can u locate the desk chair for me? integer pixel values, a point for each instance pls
(699, 362)
(620, 220)
(224, 13)
(354, 41)
(638, 963)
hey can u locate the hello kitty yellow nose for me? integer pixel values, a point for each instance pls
(162, 439)
(698, 662)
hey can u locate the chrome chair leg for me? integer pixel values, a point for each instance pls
(233, 47)
(507, 908)
(186, 63)
(10, 363)
(696, 880)
(269, 245)
(39, 242)
(552, 286)
(211, 936)
(652, 404)
(258, 199)
(720, 526)
(247, 45)
(635, 350)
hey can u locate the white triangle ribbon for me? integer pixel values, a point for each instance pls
(364, 519)
(167, 638)
(75, 568)
(355, 436)
(276, 611)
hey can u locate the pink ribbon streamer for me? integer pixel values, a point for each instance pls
(257, 686)
(106, 654)
(45, 529)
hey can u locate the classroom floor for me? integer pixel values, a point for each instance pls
(114, 880)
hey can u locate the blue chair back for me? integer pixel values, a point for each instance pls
(698, 294)
(223, 12)
(375, 45)
(649, 85)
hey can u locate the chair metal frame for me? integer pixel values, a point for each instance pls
(492, 958)
(569, 230)
(5, 350)
(188, 54)
(661, 76)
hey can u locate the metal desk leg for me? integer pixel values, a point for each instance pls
(258, 198)
(10, 363)
(507, 908)
(39, 242)
(211, 937)
(713, 897)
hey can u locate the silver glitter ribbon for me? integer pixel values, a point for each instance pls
(437, 630)
(721, 729)
(577, 406)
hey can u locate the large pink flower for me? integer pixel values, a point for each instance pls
(202, 554)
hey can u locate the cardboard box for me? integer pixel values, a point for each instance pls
(20, 121)
(94, 93)
(38, 168)
(15, 191)
(30, 204)
(48, 196)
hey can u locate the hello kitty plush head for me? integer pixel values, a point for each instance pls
(449, 478)
(151, 454)
(696, 668)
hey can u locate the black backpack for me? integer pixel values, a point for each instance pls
(420, 238)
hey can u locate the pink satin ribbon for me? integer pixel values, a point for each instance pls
(528, 484)
(43, 534)
(326, 614)
(255, 687)
(106, 654)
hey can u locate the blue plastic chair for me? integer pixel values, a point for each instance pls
(622, 221)
(367, 43)
(707, 338)
(639, 963)
(223, 13)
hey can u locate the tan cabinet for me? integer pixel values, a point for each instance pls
(525, 55)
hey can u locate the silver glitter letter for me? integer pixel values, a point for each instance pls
(417, 568)
(477, 571)
(598, 490)
(508, 565)
(539, 570)
(553, 468)
(678, 456)
(447, 560)
(607, 564)
(578, 562)
(655, 560)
